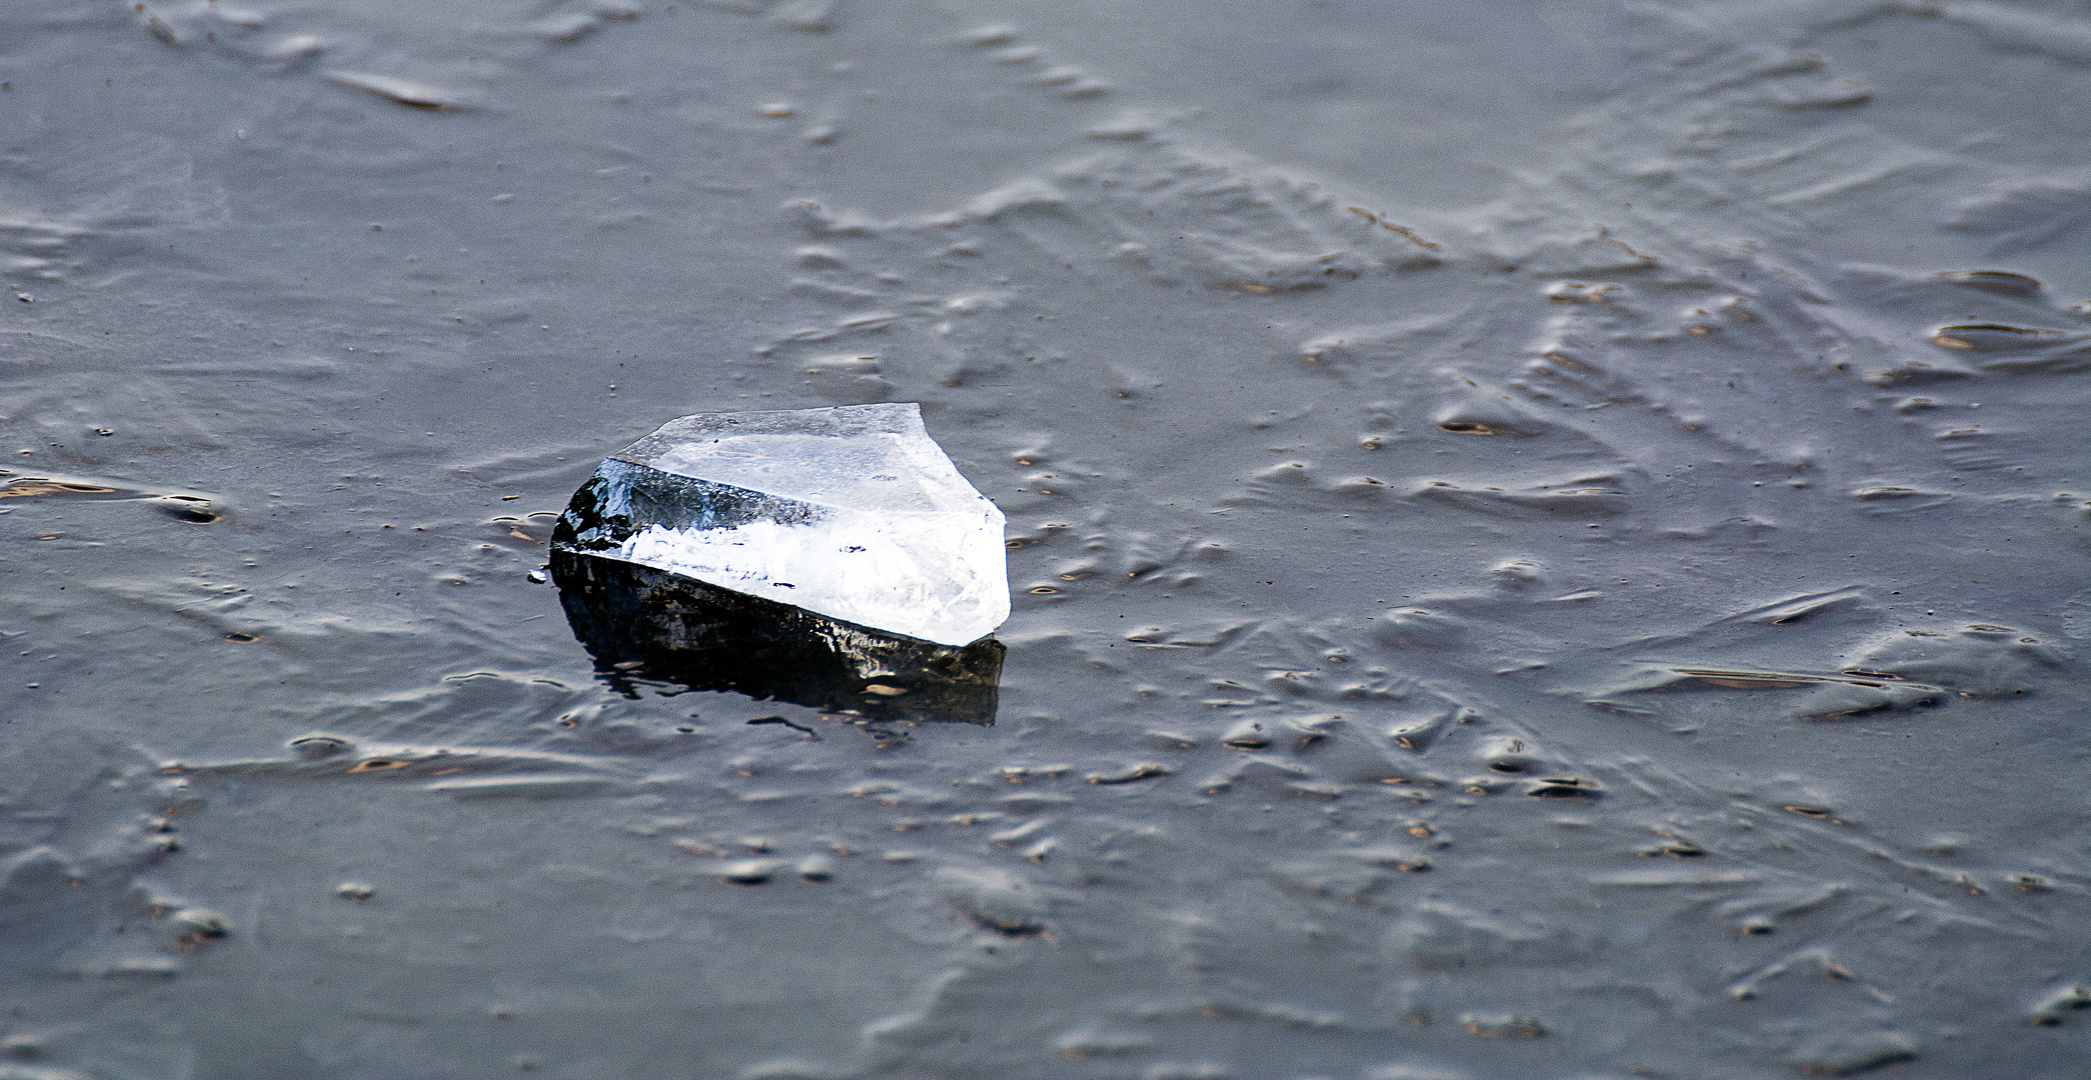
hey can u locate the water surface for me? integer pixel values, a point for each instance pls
(1547, 537)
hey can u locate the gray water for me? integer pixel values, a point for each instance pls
(1548, 537)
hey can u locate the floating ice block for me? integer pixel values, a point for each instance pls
(853, 513)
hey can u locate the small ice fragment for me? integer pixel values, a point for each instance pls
(853, 513)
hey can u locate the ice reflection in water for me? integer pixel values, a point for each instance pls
(646, 624)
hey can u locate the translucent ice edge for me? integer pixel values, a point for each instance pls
(938, 577)
(878, 471)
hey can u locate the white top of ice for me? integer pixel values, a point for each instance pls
(875, 471)
(864, 457)
(907, 546)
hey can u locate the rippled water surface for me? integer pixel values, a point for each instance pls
(1548, 537)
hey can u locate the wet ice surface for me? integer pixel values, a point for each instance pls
(1544, 545)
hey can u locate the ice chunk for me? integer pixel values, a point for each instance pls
(852, 513)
